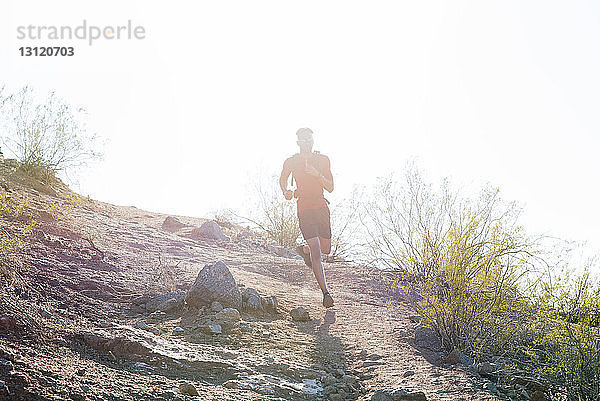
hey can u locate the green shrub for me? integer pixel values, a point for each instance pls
(11, 236)
(569, 346)
(468, 268)
(463, 258)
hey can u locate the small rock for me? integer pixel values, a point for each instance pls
(171, 224)
(211, 328)
(209, 230)
(187, 388)
(81, 372)
(426, 338)
(409, 373)
(335, 397)
(415, 318)
(144, 326)
(228, 315)
(167, 302)
(269, 303)
(253, 304)
(177, 331)
(248, 292)
(231, 384)
(158, 315)
(7, 323)
(328, 379)
(44, 314)
(349, 379)
(456, 357)
(300, 314)
(491, 387)
(367, 364)
(6, 365)
(487, 368)
(216, 306)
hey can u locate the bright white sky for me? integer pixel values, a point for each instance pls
(501, 92)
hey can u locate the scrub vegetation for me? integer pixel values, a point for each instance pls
(46, 134)
(486, 288)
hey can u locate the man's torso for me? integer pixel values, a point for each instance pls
(309, 189)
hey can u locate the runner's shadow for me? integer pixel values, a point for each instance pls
(329, 318)
(328, 352)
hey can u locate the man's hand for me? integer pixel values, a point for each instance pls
(288, 194)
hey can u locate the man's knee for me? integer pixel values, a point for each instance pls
(313, 243)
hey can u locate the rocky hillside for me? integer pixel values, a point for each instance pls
(125, 304)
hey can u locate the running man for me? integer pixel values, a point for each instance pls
(312, 172)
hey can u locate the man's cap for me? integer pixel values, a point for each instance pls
(304, 133)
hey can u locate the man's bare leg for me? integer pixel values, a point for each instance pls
(315, 257)
(325, 244)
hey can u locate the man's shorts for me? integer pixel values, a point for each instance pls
(315, 223)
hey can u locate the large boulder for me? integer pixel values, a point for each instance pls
(214, 283)
(209, 230)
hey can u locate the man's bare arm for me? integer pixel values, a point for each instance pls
(326, 179)
(285, 173)
(327, 183)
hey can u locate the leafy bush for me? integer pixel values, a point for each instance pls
(469, 269)
(11, 236)
(462, 259)
(47, 136)
(568, 349)
(13, 279)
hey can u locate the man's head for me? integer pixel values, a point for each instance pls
(305, 139)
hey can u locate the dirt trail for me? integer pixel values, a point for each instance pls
(91, 264)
